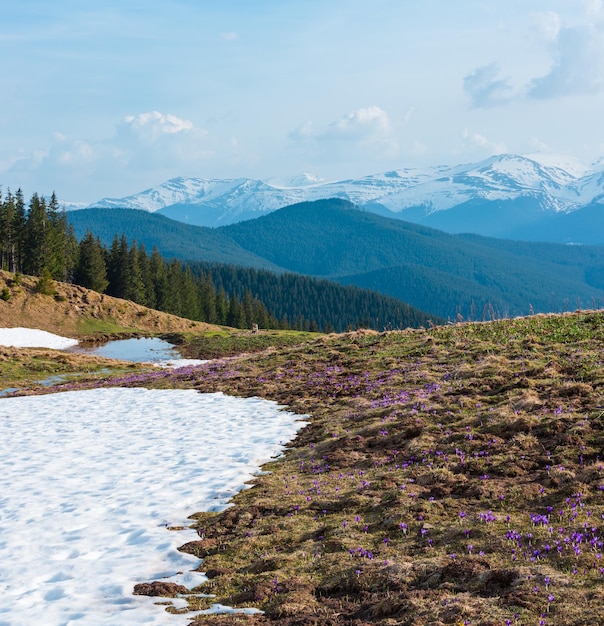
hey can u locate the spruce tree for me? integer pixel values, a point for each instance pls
(118, 267)
(135, 287)
(148, 286)
(207, 297)
(19, 230)
(235, 314)
(222, 307)
(36, 237)
(159, 277)
(7, 234)
(91, 271)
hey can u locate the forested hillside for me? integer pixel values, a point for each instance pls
(38, 240)
(330, 306)
(450, 276)
(174, 240)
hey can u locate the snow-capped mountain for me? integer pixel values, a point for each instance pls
(535, 185)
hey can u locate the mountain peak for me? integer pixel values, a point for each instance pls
(550, 182)
(301, 180)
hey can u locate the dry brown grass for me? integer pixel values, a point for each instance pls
(77, 312)
(448, 476)
(410, 431)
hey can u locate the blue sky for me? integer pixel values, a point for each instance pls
(110, 98)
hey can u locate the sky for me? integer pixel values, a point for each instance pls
(106, 99)
(89, 500)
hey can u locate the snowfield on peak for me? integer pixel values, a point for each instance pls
(555, 183)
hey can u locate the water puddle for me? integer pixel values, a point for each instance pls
(137, 350)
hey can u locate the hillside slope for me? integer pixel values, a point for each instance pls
(174, 239)
(78, 312)
(431, 270)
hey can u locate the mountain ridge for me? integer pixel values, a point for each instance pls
(506, 196)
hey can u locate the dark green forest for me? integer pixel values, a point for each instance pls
(450, 276)
(328, 304)
(37, 239)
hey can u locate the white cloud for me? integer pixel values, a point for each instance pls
(303, 132)
(368, 128)
(62, 152)
(151, 145)
(418, 148)
(577, 62)
(364, 136)
(536, 145)
(408, 115)
(486, 88)
(578, 66)
(151, 126)
(361, 124)
(594, 10)
(76, 152)
(474, 140)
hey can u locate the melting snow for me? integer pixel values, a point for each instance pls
(34, 338)
(91, 480)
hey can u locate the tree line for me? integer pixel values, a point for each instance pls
(37, 239)
(332, 306)
(125, 270)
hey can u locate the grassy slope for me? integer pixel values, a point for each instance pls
(82, 313)
(89, 316)
(449, 476)
(78, 313)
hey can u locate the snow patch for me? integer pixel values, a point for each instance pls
(33, 338)
(91, 482)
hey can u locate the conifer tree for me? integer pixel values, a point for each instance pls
(174, 304)
(247, 312)
(145, 267)
(7, 234)
(135, 287)
(159, 277)
(190, 301)
(235, 314)
(91, 271)
(36, 237)
(118, 267)
(222, 306)
(207, 297)
(59, 249)
(19, 230)
(260, 315)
